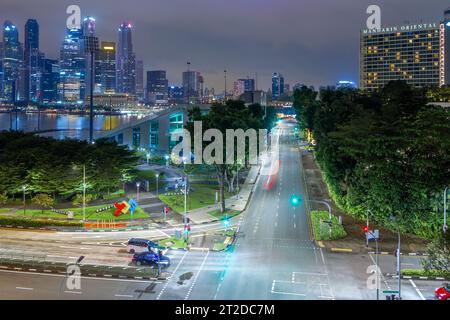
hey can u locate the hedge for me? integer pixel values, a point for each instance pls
(24, 222)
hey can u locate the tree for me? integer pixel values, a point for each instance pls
(438, 258)
(3, 198)
(43, 200)
(78, 200)
(231, 115)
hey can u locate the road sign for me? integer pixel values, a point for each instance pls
(390, 291)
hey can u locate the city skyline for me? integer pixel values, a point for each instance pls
(283, 48)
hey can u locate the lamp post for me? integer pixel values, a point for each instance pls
(167, 160)
(225, 92)
(445, 209)
(24, 188)
(157, 184)
(148, 157)
(84, 193)
(138, 184)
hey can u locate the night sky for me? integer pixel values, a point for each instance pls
(309, 41)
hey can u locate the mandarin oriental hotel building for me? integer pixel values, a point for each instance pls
(417, 53)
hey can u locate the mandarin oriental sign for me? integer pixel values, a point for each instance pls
(404, 28)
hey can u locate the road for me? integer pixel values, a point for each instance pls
(273, 256)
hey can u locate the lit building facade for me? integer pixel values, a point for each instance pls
(11, 61)
(277, 86)
(157, 87)
(415, 53)
(125, 61)
(105, 74)
(72, 65)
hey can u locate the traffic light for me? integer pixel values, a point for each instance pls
(366, 229)
(226, 222)
(295, 200)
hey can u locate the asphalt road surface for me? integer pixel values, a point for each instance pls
(273, 256)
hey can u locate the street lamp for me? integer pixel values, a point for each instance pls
(148, 157)
(24, 188)
(167, 160)
(138, 184)
(157, 184)
(84, 193)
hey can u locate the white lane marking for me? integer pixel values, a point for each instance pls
(123, 295)
(24, 288)
(73, 292)
(417, 290)
(295, 225)
(196, 277)
(82, 277)
(170, 277)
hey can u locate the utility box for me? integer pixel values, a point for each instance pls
(178, 234)
(70, 215)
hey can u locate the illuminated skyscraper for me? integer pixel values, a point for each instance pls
(277, 86)
(105, 73)
(33, 62)
(72, 85)
(125, 61)
(11, 62)
(140, 80)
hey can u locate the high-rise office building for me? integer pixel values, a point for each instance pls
(277, 86)
(50, 79)
(11, 61)
(90, 46)
(72, 65)
(33, 60)
(416, 53)
(157, 87)
(88, 27)
(140, 80)
(191, 85)
(125, 61)
(175, 95)
(106, 68)
(243, 85)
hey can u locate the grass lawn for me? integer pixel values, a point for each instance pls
(200, 196)
(228, 213)
(173, 243)
(78, 214)
(3, 210)
(337, 230)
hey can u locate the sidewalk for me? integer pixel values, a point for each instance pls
(239, 203)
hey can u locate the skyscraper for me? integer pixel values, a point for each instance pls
(33, 61)
(157, 87)
(89, 45)
(140, 80)
(50, 79)
(126, 61)
(88, 27)
(277, 86)
(106, 68)
(243, 85)
(191, 85)
(11, 61)
(72, 64)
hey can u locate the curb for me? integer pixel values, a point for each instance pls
(411, 254)
(394, 276)
(88, 275)
(347, 250)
